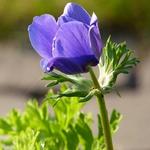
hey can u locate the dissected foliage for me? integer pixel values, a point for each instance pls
(44, 127)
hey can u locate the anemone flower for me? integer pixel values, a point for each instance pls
(69, 45)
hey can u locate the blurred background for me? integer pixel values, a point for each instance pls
(124, 20)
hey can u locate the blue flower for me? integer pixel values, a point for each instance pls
(69, 45)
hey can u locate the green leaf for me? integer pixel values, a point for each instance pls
(80, 86)
(85, 132)
(89, 95)
(98, 144)
(115, 59)
(16, 120)
(54, 76)
(100, 129)
(26, 140)
(72, 139)
(52, 84)
(115, 120)
(35, 114)
(62, 128)
(5, 127)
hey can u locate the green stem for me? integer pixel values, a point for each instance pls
(103, 112)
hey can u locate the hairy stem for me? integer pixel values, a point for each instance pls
(103, 112)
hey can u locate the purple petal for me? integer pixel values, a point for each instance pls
(72, 65)
(94, 19)
(73, 11)
(41, 34)
(44, 63)
(64, 19)
(72, 41)
(95, 37)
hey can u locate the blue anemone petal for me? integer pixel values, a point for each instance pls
(72, 40)
(41, 34)
(73, 11)
(70, 65)
(95, 37)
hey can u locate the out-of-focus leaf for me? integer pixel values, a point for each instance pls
(115, 120)
(100, 129)
(5, 127)
(85, 132)
(26, 140)
(72, 139)
(98, 144)
(62, 128)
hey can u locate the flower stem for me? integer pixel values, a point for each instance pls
(103, 113)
